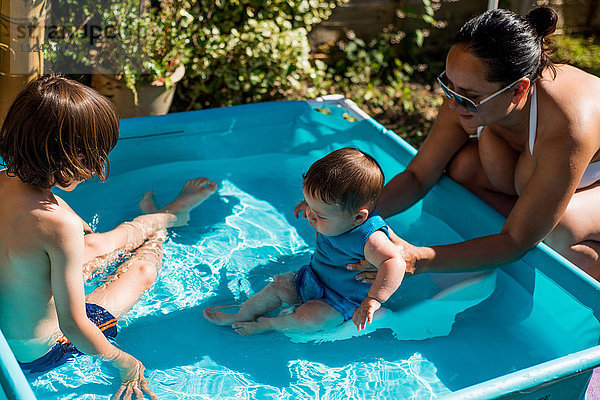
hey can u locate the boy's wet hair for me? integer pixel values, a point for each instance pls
(58, 131)
(347, 178)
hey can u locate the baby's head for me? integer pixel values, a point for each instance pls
(58, 132)
(341, 190)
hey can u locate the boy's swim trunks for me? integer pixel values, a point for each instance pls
(64, 350)
(309, 287)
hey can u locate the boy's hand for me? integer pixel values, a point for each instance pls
(132, 378)
(364, 313)
(301, 209)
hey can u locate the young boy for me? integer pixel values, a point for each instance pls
(58, 133)
(340, 193)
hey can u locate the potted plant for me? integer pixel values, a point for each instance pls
(137, 51)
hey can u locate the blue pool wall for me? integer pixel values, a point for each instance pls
(230, 132)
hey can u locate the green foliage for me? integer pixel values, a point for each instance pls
(582, 52)
(251, 50)
(256, 50)
(242, 51)
(379, 75)
(142, 42)
(376, 73)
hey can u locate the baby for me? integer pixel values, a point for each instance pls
(340, 193)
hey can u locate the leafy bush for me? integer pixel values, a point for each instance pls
(242, 51)
(142, 42)
(257, 50)
(251, 50)
(375, 73)
(582, 52)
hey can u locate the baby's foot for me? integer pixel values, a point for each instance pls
(194, 192)
(223, 318)
(251, 327)
(148, 204)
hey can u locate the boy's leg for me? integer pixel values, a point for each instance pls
(312, 316)
(132, 278)
(281, 290)
(130, 235)
(99, 264)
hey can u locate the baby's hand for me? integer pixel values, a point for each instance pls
(300, 209)
(364, 313)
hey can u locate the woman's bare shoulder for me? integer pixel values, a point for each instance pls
(568, 105)
(571, 89)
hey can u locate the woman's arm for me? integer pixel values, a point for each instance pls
(560, 163)
(444, 140)
(561, 157)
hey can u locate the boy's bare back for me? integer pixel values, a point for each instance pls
(30, 221)
(58, 133)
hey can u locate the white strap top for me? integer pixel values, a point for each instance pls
(532, 119)
(592, 172)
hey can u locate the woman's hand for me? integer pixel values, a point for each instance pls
(407, 251)
(132, 378)
(369, 272)
(301, 209)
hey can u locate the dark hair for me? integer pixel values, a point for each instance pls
(58, 130)
(347, 178)
(510, 45)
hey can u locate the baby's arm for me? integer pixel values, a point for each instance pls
(384, 255)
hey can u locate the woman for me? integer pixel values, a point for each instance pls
(521, 133)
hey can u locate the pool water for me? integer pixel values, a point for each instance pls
(439, 336)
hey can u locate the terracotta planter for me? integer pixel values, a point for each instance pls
(153, 98)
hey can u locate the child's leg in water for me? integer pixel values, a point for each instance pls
(281, 290)
(131, 235)
(312, 316)
(132, 278)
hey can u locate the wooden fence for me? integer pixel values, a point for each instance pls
(368, 18)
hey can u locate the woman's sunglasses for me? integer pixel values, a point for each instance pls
(465, 102)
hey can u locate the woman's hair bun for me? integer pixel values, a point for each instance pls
(543, 20)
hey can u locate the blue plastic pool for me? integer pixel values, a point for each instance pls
(528, 330)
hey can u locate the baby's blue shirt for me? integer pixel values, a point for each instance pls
(332, 253)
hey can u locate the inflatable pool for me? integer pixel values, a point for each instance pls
(526, 330)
